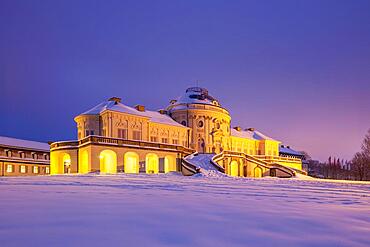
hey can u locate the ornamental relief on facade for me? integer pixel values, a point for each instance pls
(135, 125)
(122, 123)
(175, 135)
(163, 133)
(154, 131)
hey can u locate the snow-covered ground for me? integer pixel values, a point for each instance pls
(172, 210)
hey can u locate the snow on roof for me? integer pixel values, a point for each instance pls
(288, 150)
(195, 95)
(254, 135)
(13, 142)
(154, 116)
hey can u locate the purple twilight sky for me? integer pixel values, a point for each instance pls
(298, 71)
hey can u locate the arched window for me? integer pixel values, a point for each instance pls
(108, 161)
(131, 162)
(151, 163)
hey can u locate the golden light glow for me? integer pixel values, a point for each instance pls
(131, 162)
(257, 172)
(234, 168)
(108, 162)
(84, 162)
(169, 163)
(151, 163)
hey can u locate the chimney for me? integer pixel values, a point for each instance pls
(140, 107)
(250, 129)
(162, 111)
(238, 128)
(115, 99)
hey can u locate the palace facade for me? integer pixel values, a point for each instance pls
(113, 137)
(23, 158)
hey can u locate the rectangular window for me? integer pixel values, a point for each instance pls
(23, 169)
(154, 139)
(9, 168)
(34, 156)
(35, 169)
(164, 140)
(8, 153)
(122, 133)
(136, 135)
(22, 155)
(79, 135)
(175, 141)
(184, 143)
(91, 132)
(47, 170)
(87, 133)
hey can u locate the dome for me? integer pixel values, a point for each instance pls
(194, 95)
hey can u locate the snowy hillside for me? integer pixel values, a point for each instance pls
(172, 210)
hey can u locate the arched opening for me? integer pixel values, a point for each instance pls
(131, 162)
(66, 162)
(257, 172)
(234, 168)
(84, 162)
(108, 161)
(169, 163)
(151, 163)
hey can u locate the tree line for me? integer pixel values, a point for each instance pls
(358, 168)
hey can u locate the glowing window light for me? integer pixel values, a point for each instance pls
(234, 169)
(108, 162)
(152, 164)
(131, 162)
(257, 172)
(169, 164)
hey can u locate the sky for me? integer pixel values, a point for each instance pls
(298, 71)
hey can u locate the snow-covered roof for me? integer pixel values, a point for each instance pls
(288, 150)
(249, 134)
(194, 95)
(13, 142)
(112, 105)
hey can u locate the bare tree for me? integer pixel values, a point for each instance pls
(360, 164)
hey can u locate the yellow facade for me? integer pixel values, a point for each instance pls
(113, 137)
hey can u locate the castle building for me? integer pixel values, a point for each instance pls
(23, 158)
(113, 137)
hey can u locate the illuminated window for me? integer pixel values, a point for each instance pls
(35, 169)
(9, 168)
(79, 135)
(154, 139)
(164, 140)
(122, 133)
(23, 169)
(47, 170)
(184, 143)
(136, 135)
(175, 141)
